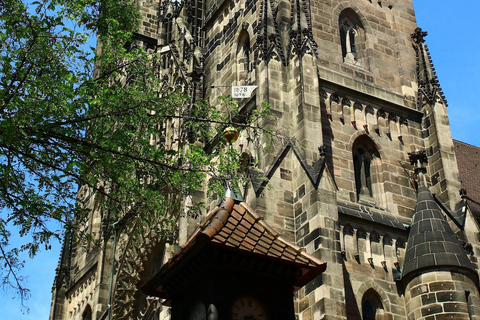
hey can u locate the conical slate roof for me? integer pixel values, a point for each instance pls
(432, 245)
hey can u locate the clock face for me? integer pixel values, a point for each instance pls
(248, 308)
(198, 312)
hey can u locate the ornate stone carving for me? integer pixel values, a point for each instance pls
(269, 44)
(428, 84)
(140, 244)
(301, 39)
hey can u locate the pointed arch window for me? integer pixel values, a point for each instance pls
(352, 38)
(372, 307)
(168, 22)
(347, 35)
(243, 58)
(167, 30)
(362, 161)
(87, 313)
(366, 160)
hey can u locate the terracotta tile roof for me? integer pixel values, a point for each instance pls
(468, 160)
(245, 230)
(239, 227)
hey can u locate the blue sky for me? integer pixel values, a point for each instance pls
(454, 44)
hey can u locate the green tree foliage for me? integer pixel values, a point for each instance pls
(61, 127)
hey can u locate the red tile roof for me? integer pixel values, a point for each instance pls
(239, 227)
(245, 229)
(468, 160)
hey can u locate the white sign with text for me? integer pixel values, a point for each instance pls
(240, 92)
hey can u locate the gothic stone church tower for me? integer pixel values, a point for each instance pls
(365, 177)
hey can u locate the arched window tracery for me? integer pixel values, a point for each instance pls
(352, 38)
(167, 27)
(347, 35)
(243, 58)
(365, 158)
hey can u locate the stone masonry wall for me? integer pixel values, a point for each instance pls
(442, 295)
(389, 67)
